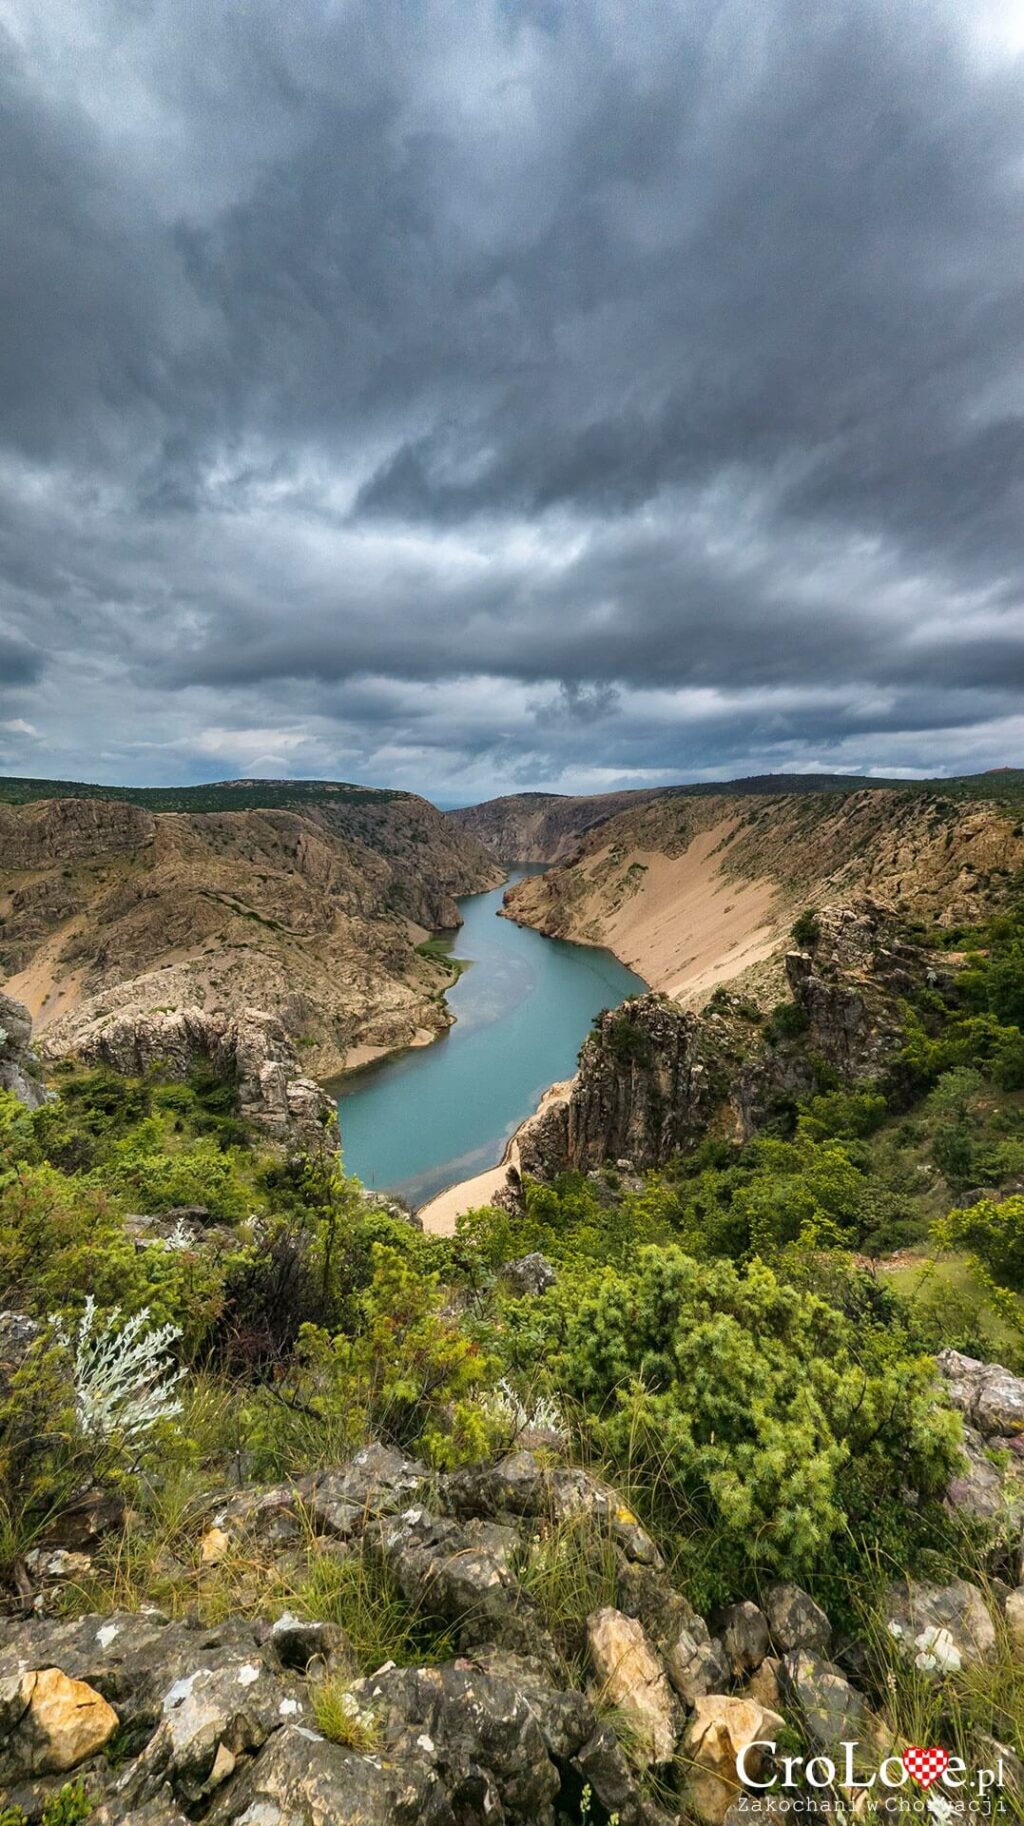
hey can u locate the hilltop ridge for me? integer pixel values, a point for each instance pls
(112, 912)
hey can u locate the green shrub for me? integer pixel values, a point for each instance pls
(806, 929)
(754, 1414)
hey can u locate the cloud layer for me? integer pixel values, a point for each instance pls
(510, 392)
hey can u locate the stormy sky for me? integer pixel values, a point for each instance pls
(470, 395)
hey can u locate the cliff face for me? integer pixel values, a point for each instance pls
(112, 914)
(691, 892)
(19, 1072)
(542, 827)
(654, 1077)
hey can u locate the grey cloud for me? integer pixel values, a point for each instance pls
(354, 355)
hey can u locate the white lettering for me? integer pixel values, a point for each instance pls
(824, 1763)
(741, 1763)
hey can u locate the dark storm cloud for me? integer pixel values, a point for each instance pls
(511, 392)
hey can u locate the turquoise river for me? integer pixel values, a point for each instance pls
(426, 1118)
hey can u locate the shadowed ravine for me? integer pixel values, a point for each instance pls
(416, 1123)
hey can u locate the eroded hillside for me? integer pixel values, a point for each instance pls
(543, 827)
(112, 913)
(692, 891)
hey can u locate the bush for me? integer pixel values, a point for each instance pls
(786, 1021)
(756, 1414)
(806, 929)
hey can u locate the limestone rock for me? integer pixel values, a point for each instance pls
(796, 1621)
(766, 1684)
(531, 1275)
(829, 1706)
(521, 1484)
(19, 1067)
(50, 1723)
(643, 1099)
(987, 1394)
(1015, 1618)
(721, 1727)
(744, 1632)
(632, 1678)
(941, 1628)
(981, 1491)
(439, 1567)
(210, 1717)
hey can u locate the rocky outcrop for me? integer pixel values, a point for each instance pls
(989, 1396)
(653, 1076)
(649, 1079)
(313, 913)
(19, 1066)
(543, 827)
(941, 1628)
(252, 1050)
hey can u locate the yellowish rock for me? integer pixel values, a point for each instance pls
(632, 1678)
(214, 1546)
(64, 1722)
(722, 1727)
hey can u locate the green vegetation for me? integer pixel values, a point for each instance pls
(221, 796)
(741, 1342)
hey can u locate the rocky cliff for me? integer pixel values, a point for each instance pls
(19, 1066)
(693, 891)
(654, 1077)
(542, 827)
(113, 917)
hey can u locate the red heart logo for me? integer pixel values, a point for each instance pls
(925, 1765)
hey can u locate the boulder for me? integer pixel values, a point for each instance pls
(49, 1723)
(299, 1779)
(632, 1678)
(695, 1660)
(473, 1734)
(721, 1727)
(530, 1276)
(210, 1718)
(744, 1632)
(795, 1621)
(941, 1628)
(521, 1484)
(1015, 1619)
(831, 1709)
(988, 1396)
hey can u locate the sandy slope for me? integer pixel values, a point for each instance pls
(688, 926)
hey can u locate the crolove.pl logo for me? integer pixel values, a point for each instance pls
(933, 1781)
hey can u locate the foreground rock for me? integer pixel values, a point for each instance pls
(941, 1628)
(719, 1730)
(632, 1677)
(49, 1723)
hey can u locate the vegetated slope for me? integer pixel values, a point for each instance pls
(543, 827)
(692, 890)
(314, 915)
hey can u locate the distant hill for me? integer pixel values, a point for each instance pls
(307, 900)
(219, 796)
(546, 827)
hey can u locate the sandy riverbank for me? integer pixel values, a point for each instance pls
(438, 1215)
